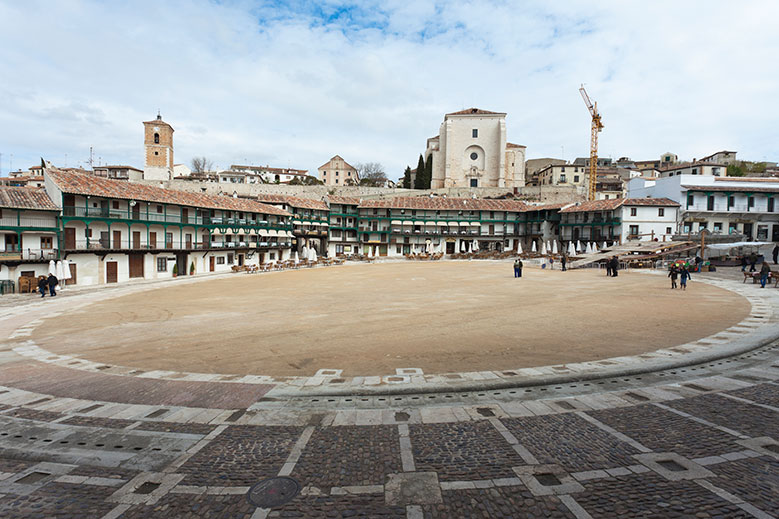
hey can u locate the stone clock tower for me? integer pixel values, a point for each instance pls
(158, 145)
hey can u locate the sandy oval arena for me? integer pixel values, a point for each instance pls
(371, 319)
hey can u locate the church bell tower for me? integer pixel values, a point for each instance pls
(158, 147)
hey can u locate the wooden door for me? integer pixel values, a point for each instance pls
(212, 264)
(184, 215)
(136, 265)
(117, 239)
(136, 212)
(240, 260)
(70, 238)
(111, 272)
(73, 278)
(136, 239)
(152, 240)
(189, 240)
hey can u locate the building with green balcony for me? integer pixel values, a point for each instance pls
(115, 230)
(29, 232)
(310, 220)
(344, 213)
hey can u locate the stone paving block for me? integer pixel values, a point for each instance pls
(577, 444)
(649, 495)
(58, 500)
(349, 456)
(767, 394)
(412, 488)
(241, 455)
(755, 480)
(186, 428)
(321, 506)
(463, 451)
(741, 417)
(496, 503)
(186, 505)
(664, 431)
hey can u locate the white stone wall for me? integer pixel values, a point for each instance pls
(648, 221)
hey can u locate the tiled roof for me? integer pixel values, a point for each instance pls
(118, 167)
(546, 207)
(745, 179)
(475, 111)
(614, 203)
(293, 201)
(655, 202)
(511, 145)
(83, 184)
(731, 189)
(440, 203)
(684, 165)
(337, 157)
(344, 200)
(26, 198)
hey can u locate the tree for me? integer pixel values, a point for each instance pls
(407, 178)
(735, 171)
(308, 180)
(419, 181)
(429, 172)
(201, 165)
(371, 174)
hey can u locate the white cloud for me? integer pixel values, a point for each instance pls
(295, 83)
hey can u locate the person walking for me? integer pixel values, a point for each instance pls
(42, 284)
(52, 284)
(614, 266)
(752, 262)
(551, 263)
(608, 267)
(519, 262)
(684, 275)
(674, 275)
(564, 260)
(517, 268)
(765, 271)
(776, 253)
(744, 263)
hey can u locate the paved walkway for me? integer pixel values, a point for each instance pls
(688, 436)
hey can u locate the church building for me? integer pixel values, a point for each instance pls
(158, 147)
(471, 151)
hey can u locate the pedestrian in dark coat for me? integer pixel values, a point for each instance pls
(520, 267)
(684, 275)
(765, 271)
(564, 260)
(614, 266)
(517, 268)
(42, 284)
(776, 254)
(52, 284)
(608, 267)
(674, 275)
(744, 263)
(752, 262)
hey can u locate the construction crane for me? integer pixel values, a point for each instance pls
(597, 126)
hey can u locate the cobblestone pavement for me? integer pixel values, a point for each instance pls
(698, 440)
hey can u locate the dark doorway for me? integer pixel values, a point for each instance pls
(111, 270)
(136, 265)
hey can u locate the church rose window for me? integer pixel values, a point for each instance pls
(474, 156)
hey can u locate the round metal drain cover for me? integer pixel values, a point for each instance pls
(272, 492)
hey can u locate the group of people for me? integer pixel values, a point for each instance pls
(680, 273)
(47, 282)
(612, 266)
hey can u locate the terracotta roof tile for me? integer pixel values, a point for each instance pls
(614, 203)
(733, 188)
(293, 201)
(26, 198)
(344, 200)
(440, 203)
(475, 111)
(510, 145)
(546, 207)
(84, 184)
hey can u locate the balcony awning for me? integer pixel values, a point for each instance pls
(408, 222)
(396, 222)
(442, 224)
(454, 224)
(476, 224)
(430, 222)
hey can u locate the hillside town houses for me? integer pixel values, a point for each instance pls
(117, 223)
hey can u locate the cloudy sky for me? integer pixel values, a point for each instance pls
(290, 84)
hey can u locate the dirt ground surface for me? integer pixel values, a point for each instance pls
(371, 319)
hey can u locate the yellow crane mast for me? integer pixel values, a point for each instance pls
(597, 126)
